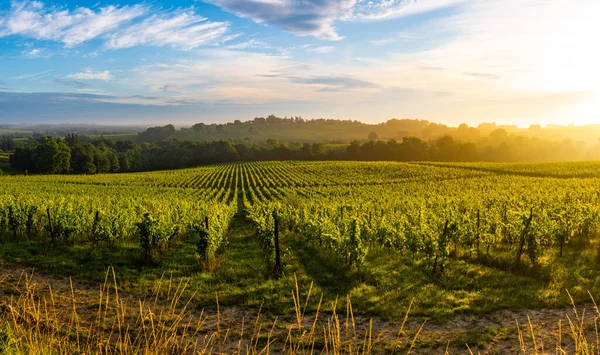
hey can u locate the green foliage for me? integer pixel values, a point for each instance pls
(203, 243)
(366, 230)
(154, 236)
(104, 230)
(356, 250)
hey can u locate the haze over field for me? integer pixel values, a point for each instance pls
(517, 62)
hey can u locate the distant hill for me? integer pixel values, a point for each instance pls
(61, 130)
(296, 129)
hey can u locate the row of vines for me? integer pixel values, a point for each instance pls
(349, 209)
(440, 213)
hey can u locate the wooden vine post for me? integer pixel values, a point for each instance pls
(50, 225)
(478, 235)
(276, 242)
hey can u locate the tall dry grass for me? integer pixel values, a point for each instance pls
(35, 319)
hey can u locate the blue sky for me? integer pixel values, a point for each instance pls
(450, 61)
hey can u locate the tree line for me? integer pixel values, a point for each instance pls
(81, 155)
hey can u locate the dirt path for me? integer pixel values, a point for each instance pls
(494, 333)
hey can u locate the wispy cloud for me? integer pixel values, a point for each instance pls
(71, 83)
(386, 9)
(334, 83)
(321, 49)
(482, 75)
(246, 78)
(181, 29)
(303, 18)
(89, 74)
(317, 17)
(119, 26)
(35, 53)
(251, 44)
(381, 42)
(32, 19)
(32, 76)
(387, 40)
(166, 87)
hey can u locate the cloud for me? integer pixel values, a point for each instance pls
(251, 44)
(120, 26)
(482, 75)
(181, 29)
(321, 49)
(33, 20)
(399, 35)
(317, 17)
(72, 83)
(381, 42)
(32, 76)
(303, 18)
(246, 78)
(84, 98)
(335, 83)
(34, 53)
(89, 74)
(387, 9)
(166, 87)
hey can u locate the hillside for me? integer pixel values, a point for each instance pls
(439, 239)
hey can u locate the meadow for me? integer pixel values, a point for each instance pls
(443, 240)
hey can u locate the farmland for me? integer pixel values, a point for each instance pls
(446, 239)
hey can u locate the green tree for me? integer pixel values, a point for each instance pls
(51, 156)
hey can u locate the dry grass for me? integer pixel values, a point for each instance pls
(36, 319)
(39, 320)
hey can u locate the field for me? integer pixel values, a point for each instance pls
(449, 241)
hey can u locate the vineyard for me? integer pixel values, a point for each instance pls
(457, 238)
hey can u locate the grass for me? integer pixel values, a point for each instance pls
(384, 288)
(385, 285)
(39, 320)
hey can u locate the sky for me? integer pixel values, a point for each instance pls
(517, 62)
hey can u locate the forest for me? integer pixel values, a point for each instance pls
(156, 149)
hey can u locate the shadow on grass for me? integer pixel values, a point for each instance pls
(329, 273)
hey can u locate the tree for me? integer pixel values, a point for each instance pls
(499, 134)
(154, 134)
(272, 142)
(225, 152)
(22, 159)
(318, 150)
(373, 136)
(101, 162)
(199, 127)
(8, 144)
(82, 155)
(51, 156)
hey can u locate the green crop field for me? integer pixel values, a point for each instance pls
(447, 240)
